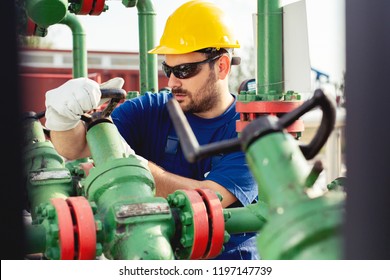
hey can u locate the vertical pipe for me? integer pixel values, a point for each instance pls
(79, 51)
(80, 68)
(269, 49)
(147, 39)
(45, 173)
(35, 235)
(105, 143)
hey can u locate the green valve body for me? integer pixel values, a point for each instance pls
(46, 12)
(298, 227)
(136, 225)
(279, 168)
(45, 170)
(306, 231)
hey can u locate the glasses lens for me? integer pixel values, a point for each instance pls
(166, 69)
(185, 70)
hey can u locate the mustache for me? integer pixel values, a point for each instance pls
(179, 90)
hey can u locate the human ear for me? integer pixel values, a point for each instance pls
(223, 66)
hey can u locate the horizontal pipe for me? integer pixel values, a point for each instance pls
(250, 218)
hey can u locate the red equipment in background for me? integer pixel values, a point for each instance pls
(43, 69)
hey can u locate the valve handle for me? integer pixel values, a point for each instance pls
(115, 95)
(327, 122)
(190, 146)
(256, 129)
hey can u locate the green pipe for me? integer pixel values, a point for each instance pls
(80, 63)
(297, 227)
(136, 225)
(270, 84)
(105, 143)
(35, 236)
(147, 242)
(310, 229)
(280, 170)
(79, 50)
(33, 132)
(147, 41)
(49, 12)
(246, 219)
(46, 175)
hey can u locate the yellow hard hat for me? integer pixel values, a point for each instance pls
(196, 25)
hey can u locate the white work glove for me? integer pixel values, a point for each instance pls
(113, 83)
(65, 104)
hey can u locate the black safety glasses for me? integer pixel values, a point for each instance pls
(186, 70)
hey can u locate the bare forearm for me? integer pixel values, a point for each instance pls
(71, 144)
(167, 183)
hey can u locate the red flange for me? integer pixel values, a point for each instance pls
(252, 110)
(31, 27)
(267, 107)
(86, 7)
(84, 227)
(65, 226)
(216, 223)
(296, 126)
(97, 8)
(200, 224)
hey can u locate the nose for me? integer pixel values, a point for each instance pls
(173, 81)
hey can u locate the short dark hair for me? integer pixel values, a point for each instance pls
(213, 52)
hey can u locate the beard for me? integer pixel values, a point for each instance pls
(204, 100)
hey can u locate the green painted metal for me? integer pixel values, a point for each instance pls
(310, 229)
(123, 192)
(49, 12)
(35, 236)
(48, 222)
(79, 50)
(297, 227)
(314, 174)
(105, 143)
(129, 3)
(46, 12)
(269, 50)
(136, 225)
(279, 168)
(131, 222)
(251, 218)
(46, 175)
(147, 41)
(337, 184)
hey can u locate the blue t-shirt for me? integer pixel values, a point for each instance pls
(145, 124)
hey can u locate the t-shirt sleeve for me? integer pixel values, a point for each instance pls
(232, 172)
(125, 117)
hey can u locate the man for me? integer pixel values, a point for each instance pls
(197, 45)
